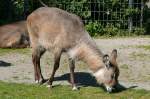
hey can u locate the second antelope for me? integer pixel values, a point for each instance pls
(58, 31)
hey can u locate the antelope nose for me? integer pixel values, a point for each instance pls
(109, 89)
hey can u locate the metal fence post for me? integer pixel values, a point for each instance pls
(130, 21)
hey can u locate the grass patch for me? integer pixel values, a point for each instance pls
(139, 56)
(24, 91)
(4, 51)
(146, 47)
(117, 37)
(124, 66)
(15, 77)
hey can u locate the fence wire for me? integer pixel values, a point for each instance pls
(122, 14)
(100, 16)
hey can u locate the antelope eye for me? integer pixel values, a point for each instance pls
(113, 76)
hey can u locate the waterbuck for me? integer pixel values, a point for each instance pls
(58, 31)
(14, 35)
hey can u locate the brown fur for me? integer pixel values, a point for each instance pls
(14, 35)
(59, 31)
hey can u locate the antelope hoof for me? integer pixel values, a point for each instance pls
(37, 81)
(49, 86)
(74, 88)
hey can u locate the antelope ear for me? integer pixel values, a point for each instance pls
(113, 56)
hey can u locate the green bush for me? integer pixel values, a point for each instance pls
(138, 31)
(95, 13)
(110, 30)
(94, 28)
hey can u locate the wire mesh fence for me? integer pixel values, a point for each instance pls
(101, 17)
(111, 15)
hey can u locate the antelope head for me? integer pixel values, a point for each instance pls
(108, 74)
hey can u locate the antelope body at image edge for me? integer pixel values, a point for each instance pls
(58, 31)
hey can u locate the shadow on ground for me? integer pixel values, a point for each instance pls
(81, 79)
(85, 79)
(120, 88)
(4, 64)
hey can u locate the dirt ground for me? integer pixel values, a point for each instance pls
(133, 60)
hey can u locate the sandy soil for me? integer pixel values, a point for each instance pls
(133, 60)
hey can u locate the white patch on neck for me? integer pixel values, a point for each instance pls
(98, 73)
(72, 53)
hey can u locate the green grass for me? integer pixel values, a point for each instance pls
(116, 37)
(4, 51)
(124, 66)
(146, 47)
(25, 91)
(140, 55)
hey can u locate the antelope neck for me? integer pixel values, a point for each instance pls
(92, 56)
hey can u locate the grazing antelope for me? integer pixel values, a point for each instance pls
(58, 31)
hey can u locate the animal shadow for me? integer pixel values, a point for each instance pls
(4, 64)
(81, 79)
(120, 88)
(85, 79)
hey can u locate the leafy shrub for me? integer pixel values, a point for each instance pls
(94, 12)
(138, 31)
(94, 28)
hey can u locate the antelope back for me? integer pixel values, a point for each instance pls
(53, 27)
